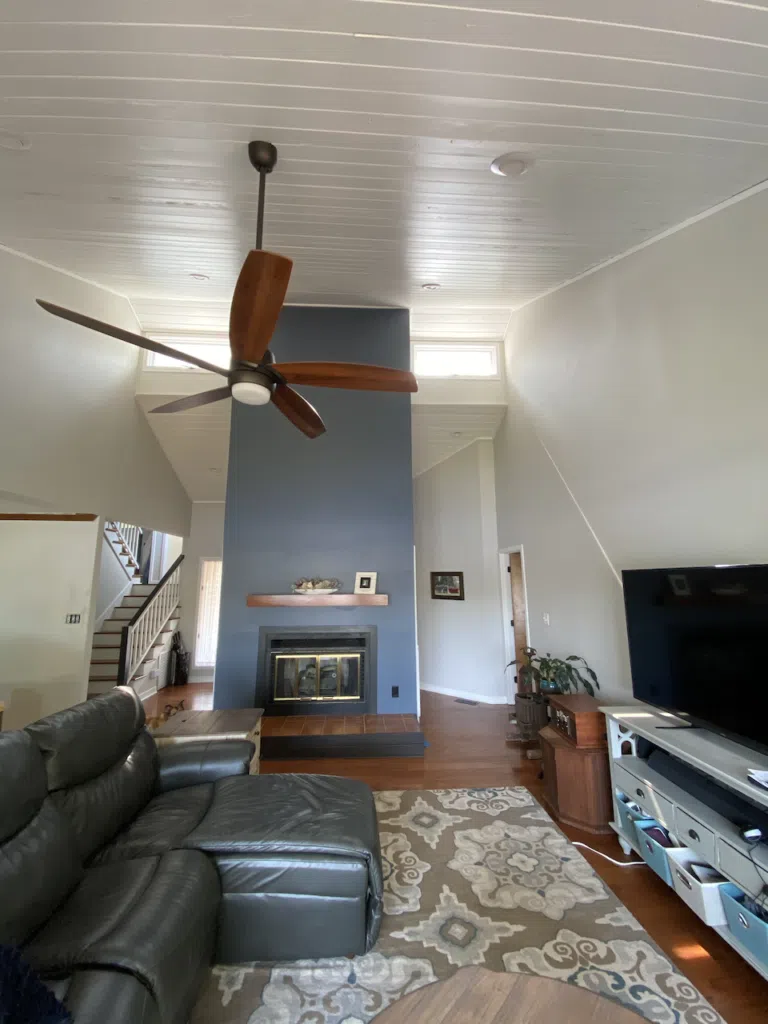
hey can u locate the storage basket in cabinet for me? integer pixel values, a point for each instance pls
(746, 927)
(653, 853)
(703, 898)
(628, 818)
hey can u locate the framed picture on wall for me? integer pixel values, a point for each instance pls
(365, 582)
(447, 586)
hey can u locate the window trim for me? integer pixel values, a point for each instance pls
(196, 663)
(455, 346)
(175, 341)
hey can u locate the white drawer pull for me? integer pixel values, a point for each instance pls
(694, 835)
(743, 921)
(683, 879)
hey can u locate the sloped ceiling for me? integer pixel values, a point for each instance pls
(387, 113)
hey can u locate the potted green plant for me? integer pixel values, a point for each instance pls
(541, 674)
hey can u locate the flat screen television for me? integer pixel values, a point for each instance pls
(698, 645)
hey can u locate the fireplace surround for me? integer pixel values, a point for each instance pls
(314, 670)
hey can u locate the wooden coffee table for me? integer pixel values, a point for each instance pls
(476, 996)
(229, 724)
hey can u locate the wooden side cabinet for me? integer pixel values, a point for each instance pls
(577, 784)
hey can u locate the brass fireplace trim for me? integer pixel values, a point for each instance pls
(307, 656)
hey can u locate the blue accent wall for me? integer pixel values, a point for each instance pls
(337, 505)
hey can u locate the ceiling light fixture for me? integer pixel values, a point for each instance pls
(430, 286)
(510, 165)
(8, 141)
(200, 277)
(455, 433)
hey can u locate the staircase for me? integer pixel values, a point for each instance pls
(105, 652)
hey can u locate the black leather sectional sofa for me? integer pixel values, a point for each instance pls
(126, 870)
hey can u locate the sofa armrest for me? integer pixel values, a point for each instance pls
(190, 762)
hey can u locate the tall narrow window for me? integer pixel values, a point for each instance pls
(208, 613)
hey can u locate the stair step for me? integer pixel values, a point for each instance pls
(132, 601)
(105, 655)
(113, 625)
(142, 589)
(106, 641)
(122, 613)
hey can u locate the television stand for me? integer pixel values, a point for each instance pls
(677, 727)
(714, 839)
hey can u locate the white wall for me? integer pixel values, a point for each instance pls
(646, 383)
(206, 540)
(461, 643)
(71, 432)
(46, 572)
(113, 581)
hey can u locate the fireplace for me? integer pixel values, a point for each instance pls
(320, 670)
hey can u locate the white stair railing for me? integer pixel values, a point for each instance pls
(141, 633)
(129, 535)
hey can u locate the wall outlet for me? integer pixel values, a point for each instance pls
(546, 618)
(72, 620)
(395, 691)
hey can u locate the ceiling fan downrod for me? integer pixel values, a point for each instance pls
(263, 156)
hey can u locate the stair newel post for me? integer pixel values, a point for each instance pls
(122, 665)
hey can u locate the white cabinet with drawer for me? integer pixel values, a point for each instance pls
(707, 831)
(653, 803)
(696, 836)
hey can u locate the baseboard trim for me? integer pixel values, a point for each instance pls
(465, 694)
(380, 744)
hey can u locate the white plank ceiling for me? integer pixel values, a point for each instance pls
(387, 113)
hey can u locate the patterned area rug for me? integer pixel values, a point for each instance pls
(472, 876)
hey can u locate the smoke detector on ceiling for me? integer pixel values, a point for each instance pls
(510, 165)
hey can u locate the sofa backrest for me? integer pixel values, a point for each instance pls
(39, 860)
(101, 764)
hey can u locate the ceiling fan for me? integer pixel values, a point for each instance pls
(254, 377)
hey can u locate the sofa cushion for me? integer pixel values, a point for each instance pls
(291, 906)
(39, 862)
(154, 918)
(302, 814)
(101, 764)
(101, 996)
(162, 826)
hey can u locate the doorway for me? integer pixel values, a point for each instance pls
(515, 611)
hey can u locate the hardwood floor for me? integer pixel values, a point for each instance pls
(467, 747)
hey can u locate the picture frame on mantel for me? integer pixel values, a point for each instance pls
(365, 582)
(447, 586)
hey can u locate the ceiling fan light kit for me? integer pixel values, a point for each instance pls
(254, 378)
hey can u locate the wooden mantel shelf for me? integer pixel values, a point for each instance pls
(315, 600)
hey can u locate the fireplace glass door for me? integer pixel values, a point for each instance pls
(317, 676)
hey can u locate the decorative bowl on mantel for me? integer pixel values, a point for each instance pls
(316, 586)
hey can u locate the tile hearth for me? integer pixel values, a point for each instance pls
(338, 725)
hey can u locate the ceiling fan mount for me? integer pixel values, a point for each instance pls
(254, 378)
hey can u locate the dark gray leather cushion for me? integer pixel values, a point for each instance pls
(23, 786)
(274, 814)
(110, 722)
(161, 826)
(100, 807)
(192, 761)
(154, 918)
(39, 862)
(291, 906)
(101, 764)
(106, 997)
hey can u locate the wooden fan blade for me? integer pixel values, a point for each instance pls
(194, 401)
(256, 304)
(356, 376)
(298, 410)
(133, 339)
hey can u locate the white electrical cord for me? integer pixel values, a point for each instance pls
(621, 864)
